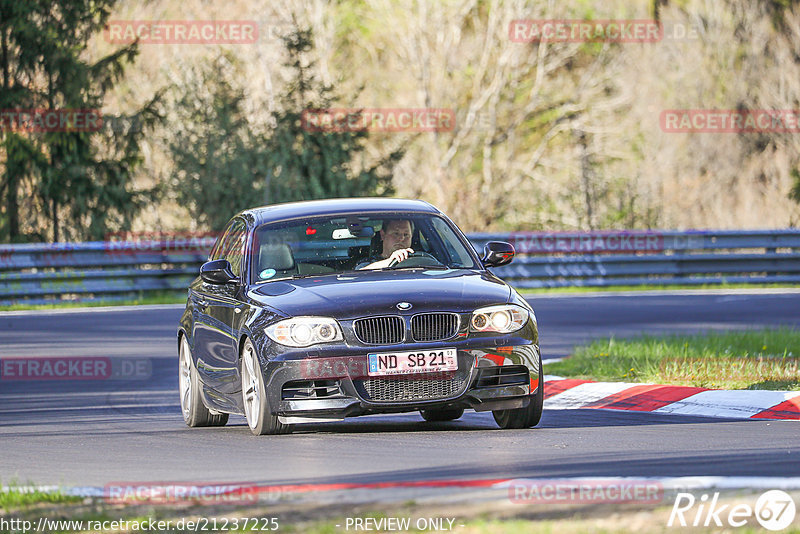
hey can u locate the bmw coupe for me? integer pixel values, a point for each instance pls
(316, 311)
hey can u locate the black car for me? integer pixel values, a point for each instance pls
(303, 313)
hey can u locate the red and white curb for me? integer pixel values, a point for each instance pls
(567, 394)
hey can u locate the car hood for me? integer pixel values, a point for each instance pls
(357, 294)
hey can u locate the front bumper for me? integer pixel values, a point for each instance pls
(332, 388)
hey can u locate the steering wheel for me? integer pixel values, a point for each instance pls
(418, 259)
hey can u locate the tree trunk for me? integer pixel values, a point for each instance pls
(55, 221)
(12, 183)
(587, 178)
(12, 210)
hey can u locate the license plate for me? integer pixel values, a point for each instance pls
(418, 361)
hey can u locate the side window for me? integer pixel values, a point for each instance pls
(233, 246)
(455, 250)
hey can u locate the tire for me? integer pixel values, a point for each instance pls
(195, 413)
(254, 396)
(435, 416)
(526, 417)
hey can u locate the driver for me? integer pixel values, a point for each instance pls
(396, 236)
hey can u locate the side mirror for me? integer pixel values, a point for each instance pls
(218, 272)
(497, 253)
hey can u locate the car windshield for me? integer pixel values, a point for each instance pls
(329, 245)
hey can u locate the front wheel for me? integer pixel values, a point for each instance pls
(194, 411)
(254, 396)
(526, 417)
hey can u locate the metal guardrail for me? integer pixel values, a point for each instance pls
(57, 272)
(37, 273)
(598, 259)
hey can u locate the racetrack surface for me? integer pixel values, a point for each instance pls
(124, 430)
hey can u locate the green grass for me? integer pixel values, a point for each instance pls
(649, 287)
(470, 517)
(751, 359)
(155, 297)
(20, 497)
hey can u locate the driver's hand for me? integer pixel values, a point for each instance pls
(394, 258)
(399, 255)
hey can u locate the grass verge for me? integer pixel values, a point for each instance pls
(649, 287)
(492, 513)
(15, 497)
(157, 297)
(754, 359)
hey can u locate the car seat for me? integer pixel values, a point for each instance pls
(375, 245)
(278, 257)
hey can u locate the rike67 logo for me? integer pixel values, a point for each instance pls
(774, 510)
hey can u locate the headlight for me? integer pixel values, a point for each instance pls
(305, 331)
(504, 318)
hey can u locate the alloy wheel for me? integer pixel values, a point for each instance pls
(185, 378)
(251, 394)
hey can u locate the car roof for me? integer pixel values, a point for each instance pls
(309, 208)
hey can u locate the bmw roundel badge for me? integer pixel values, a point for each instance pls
(403, 305)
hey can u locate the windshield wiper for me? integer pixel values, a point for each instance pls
(292, 277)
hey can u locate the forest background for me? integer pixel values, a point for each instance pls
(547, 135)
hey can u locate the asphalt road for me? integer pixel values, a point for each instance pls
(129, 429)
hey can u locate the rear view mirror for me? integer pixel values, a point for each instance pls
(497, 253)
(218, 272)
(353, 232)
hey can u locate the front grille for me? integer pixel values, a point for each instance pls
(413, 389)
(380, 330)
(434, 326)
